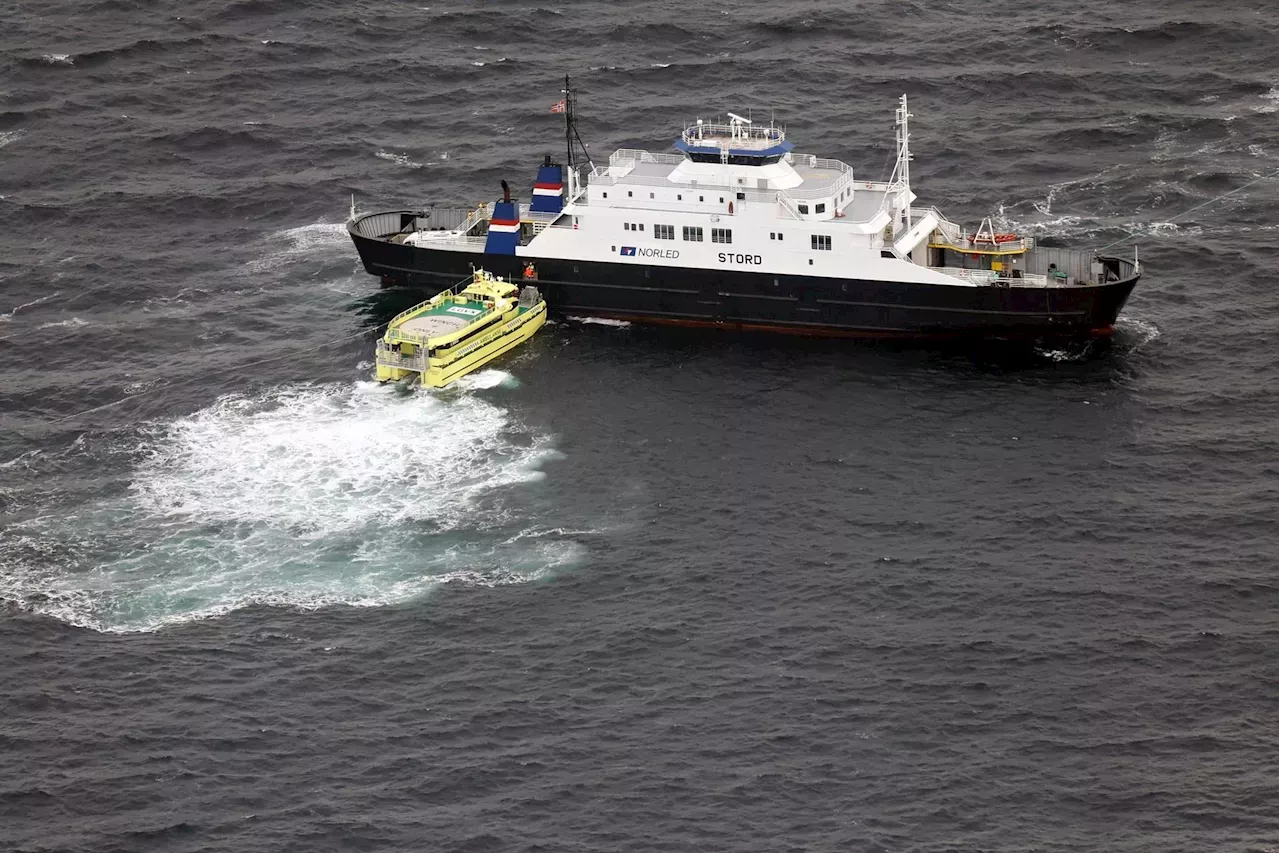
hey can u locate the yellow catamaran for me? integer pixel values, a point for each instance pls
(459, 330)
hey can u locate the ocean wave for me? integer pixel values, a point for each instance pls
(73, 323)
(399, 159)
(1270, 101)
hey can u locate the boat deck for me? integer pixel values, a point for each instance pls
(442, 319)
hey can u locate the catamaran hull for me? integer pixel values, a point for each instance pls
(806, 305)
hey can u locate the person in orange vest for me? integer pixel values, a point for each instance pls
(529, 271)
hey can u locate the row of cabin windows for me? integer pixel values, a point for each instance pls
(680, 196)
(821, 242)
(690, 233)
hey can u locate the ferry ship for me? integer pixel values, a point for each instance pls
(736, 229)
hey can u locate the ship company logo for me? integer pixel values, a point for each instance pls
(643, 252)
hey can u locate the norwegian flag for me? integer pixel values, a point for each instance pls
(558, 106)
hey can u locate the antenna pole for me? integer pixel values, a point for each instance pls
(568, 122)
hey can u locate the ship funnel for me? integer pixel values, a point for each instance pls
(547, 188)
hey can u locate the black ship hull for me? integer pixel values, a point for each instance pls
(794, 304)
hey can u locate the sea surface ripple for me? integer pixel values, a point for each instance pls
(630, 589)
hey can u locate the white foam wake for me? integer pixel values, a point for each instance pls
(401, 159)
(303, 243)
(1135, 333)
(602, 321)
(304, 496)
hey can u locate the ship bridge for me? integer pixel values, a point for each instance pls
(737, 142)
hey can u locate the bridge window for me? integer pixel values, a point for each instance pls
(885, 253)
(803, 208)
(693, 235)
(742, 196)
(721, 235)
(820, 208)
(821, 241)
(664, 232)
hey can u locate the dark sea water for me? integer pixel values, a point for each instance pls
(628, 589)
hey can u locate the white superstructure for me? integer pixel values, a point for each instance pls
(739, 198)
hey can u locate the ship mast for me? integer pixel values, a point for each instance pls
(571, 136)
(902, 171)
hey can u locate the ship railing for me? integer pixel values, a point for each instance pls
(389, 356)
(946, 228)
(998, 278)
(482, 213)
(451, 238)
(788, 206)
(627, 156)
(963, 243)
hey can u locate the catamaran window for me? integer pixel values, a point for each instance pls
(885, 253)
(721, 235)
(819, 208)
(604, 195)
(664, 232)
(803, 208)
(679, 197)
(650, 195)
(699, 198)
(641, 226)
(628, 193)
(693, 235)
(722, 199)
(742, 196)
(821, 241)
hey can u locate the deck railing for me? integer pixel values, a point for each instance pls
(995, 277)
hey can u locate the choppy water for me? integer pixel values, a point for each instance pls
(629, 589)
